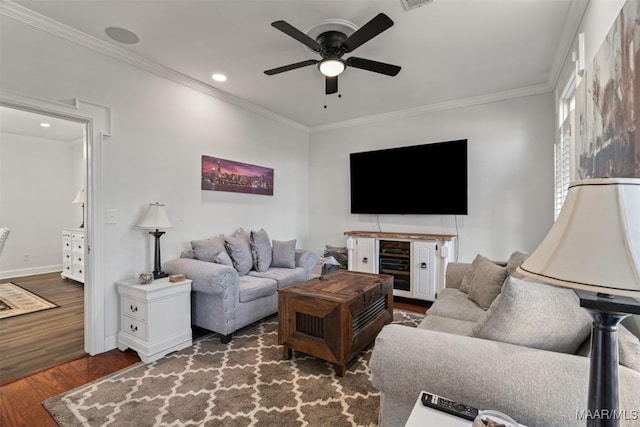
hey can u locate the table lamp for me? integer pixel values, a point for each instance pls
(156, 219)
(594, 248)
(80, 199)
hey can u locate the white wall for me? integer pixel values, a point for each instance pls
(160, 130)
(510, 175)
(36, 190)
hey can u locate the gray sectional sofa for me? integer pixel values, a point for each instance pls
(236, 278)
(523, 355)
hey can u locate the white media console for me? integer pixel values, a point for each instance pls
(417, 262)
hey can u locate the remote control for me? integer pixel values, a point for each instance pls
(448, 406)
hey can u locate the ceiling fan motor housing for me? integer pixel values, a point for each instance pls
(331, 42)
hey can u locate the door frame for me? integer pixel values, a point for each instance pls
(97, 121)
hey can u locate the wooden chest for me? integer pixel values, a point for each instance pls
(334, 317)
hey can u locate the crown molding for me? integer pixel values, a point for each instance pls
(449, 105)
(572, 23)
(36, 20)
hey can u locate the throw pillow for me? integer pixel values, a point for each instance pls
(284, 254)
(516, 258)
(206, 250)
(628, 348)
(223, 258)
(487, 283)
(338, 253)
(536, 315)
(261, 250)
(239, 250)
(468, 276)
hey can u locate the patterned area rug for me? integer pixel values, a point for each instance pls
(15, 300)
(243, 383)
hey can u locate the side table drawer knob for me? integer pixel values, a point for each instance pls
(133, 328)
(133, 309)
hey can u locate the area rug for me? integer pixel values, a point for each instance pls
(15, 300)
(244, 383)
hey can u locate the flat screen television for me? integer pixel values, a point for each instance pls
(427, 179)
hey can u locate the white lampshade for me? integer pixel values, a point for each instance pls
(79, 197)
(156, 218)
(331, 67)
(594, 244)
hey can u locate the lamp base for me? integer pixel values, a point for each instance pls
(607, 312)
(160, 274)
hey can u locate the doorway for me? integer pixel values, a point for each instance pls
(42, 172)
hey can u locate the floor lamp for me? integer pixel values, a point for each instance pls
(156, 219)
(594, 248)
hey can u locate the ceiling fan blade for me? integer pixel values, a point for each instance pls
(331, 85)
(368, 31)
(375, 66)
(290, 67)
(291, 31)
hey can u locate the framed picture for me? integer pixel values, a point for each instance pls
(607, 104)
(236, 177)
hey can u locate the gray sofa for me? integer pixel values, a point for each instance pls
(483, 358)
(225, 296)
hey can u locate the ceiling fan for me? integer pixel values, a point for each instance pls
(332, 45)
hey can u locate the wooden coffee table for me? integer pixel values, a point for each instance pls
(334, 317)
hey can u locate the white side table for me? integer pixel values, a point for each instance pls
(422, 416)
(425, 416)
(155, 319)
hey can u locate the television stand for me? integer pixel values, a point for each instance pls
(417, 261)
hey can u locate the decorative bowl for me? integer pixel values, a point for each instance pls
(490, 418)
(145, 278)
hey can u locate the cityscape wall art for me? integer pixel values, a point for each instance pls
(227, 175)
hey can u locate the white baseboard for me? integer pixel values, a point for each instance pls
(31, 271)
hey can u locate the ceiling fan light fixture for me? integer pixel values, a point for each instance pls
(331, 67)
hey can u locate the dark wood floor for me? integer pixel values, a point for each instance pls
(36, 341)
(21, 400)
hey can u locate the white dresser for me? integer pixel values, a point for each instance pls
(73, 254)
(155, 319)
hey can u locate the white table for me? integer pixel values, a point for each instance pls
(422, 416)
(155, 319)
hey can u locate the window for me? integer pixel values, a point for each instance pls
(563, 144)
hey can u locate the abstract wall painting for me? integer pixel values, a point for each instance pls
(227, 175)
(608, 102)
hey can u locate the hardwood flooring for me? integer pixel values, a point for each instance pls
(21, 400)
(35, 341)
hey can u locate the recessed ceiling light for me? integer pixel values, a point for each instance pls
(219, 77)
(45, 125)
(122, 35)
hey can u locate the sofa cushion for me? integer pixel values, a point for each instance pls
(471, 272)
(240, 251)
(284, 254)
(448, 325)
(516, 258)
(468, 276)
(261, 250)
(536, 315)
(628, 348)
(252, 288)
(487, 283)
(207, 249)
(284, 276)
(454, 304)
(223, 258)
